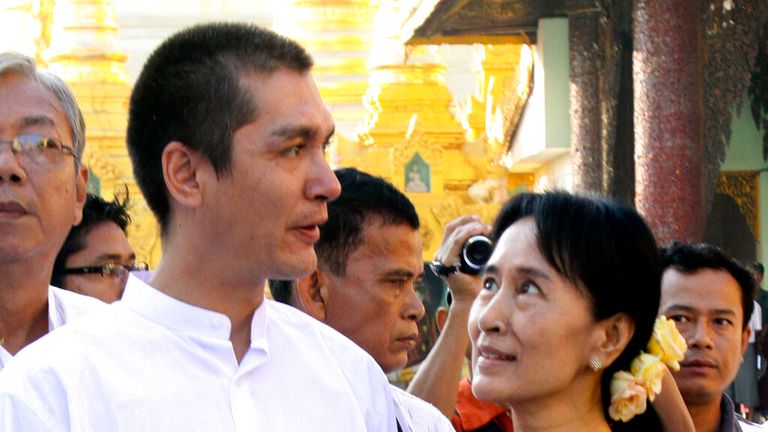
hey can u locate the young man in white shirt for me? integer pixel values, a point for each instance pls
(227, 135)
(42, 191)
(369, 262)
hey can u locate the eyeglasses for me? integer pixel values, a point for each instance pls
(110, 269)
(36, 149)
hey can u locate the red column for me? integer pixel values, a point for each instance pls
(584, 59)
(668, 117)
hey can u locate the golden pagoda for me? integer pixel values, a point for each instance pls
(395, 115)
(338, 34)
(446, 165)
(84, 52)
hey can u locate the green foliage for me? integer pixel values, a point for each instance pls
(758, 89)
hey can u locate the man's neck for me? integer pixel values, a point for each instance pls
(183, 277)
(23, 304)
(706, 416)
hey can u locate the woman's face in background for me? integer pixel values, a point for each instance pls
(532, 330)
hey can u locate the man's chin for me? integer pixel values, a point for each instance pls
(296, 267)
(698, 395)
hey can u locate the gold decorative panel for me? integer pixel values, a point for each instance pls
(743, 187)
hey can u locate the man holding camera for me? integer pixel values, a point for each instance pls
(369, 263)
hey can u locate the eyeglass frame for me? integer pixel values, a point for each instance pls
(18, 148)
(106, 269)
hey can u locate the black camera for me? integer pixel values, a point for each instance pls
(475, 254)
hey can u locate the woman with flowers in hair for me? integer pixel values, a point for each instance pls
(563, 330)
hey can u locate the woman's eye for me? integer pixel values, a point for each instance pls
(529, 288)
(490, 285)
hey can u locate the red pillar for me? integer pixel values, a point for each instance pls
(584, 60)
(668, 117)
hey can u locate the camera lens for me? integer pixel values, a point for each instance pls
(475, 254)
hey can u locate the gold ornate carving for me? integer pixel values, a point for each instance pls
(418, 142)
(743, 187)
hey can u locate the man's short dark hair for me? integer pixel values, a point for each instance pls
(189, 91)
(282, 290)
(95, 211)
(690, 258)
(758, 267)
(364, 199)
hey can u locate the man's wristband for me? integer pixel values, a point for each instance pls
(443, 270)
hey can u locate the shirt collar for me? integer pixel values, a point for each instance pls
(728, 421)
(56, 315)
(147, 301)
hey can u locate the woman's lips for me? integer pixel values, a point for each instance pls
(490, 358)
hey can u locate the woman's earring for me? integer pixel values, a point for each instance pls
(595, 364)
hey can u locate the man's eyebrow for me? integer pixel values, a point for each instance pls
(36, 120)
(399, 273)
(679, 307)
(689, 309)
(112, 257)
(290, 132)
(720, 312)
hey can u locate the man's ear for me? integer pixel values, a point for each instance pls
(745, 339)
(311, 294)
(181, 166)
(612, 336)
(81, 182)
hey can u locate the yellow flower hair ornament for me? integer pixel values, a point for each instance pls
(629, 391)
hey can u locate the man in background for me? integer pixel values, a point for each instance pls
(96, 257)
(709, 297)
(369, 263)
(42, 191)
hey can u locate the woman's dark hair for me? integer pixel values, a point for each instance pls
(606, 250)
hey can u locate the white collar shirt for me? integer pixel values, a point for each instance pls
(152, 363)
(416, 415)
(63, 307)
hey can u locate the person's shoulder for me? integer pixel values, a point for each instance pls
(423, 414)
(319, 340)
(72, 343)
(75, 304)
(288, 318)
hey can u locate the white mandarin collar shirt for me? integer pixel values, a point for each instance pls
(152, 363)
(63, 306)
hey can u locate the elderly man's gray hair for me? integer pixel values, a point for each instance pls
(11, 62)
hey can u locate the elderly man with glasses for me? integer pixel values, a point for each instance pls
(96, 257)
(42, 191)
